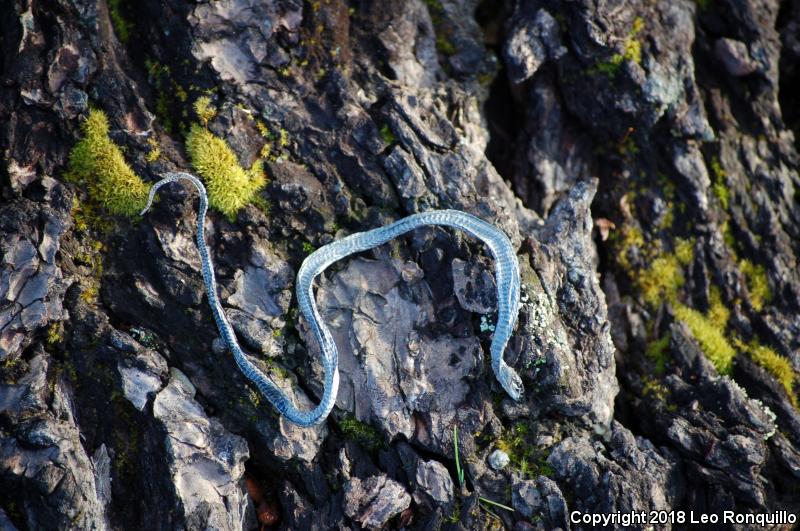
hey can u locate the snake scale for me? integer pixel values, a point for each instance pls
(506, 275)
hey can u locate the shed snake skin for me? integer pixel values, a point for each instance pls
(506, 276)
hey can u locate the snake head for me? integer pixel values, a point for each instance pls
(512, 383)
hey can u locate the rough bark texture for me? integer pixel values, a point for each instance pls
(640, 155)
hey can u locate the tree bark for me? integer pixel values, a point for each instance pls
(642, 158)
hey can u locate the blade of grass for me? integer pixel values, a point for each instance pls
(486, 500)
(459, 470)
(490, 512)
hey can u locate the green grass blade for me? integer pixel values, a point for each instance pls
(490, 512)
(486, 500)
(459, 470)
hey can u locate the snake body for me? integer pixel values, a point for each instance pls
(506, 275)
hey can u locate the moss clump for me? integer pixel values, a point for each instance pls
(363, 434)
(684, 251)
(159, 78)
(728, 237)
(661, 280)
(55, 334)
(631, 237)
(444, 45)
(775, 364)
(387, 135)
(11, 368)
(98, 163)
(655, 389)
(86, 215)
(155, 150)
(274, 367)
(668, 218)
(441, 27)
(663, 277)
(122, 27)
(204, 109)
(230, 186)
(631, 51)
(719, 184)
(283, 138)
(717, 311)
(757, 283)
(709, 333)
(658, 352)
(528, 460)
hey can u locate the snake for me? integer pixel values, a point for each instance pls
(506, 277)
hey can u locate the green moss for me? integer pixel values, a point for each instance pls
(435, 10)
(180, 92)
(283, 138)
(719, 183)
(728, 237)
(364, 434)
(757, 283)
(775, 364)
(722, 193)
(277, 369)
(263, 129)
(655, 389)
(609, 68)
(255, 398)
(661, 281)
(717, 311)
(631, 51)
(12, 368)
(264, 205)
(308, 248)
(230, 186)
(529, 460)
(455, 516)
(122, 27)
(55, 334)
(684, 251)
(204, 109)
(658, 352)
(637, 27)
(91, 257)
(710, 335)
(171, 96)
(97, 162)
(667, 187)
(162, 111)
(668, 218)
(630, 237)
(86, 216)
(155, 150)
(387, 135)
(443, 43)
